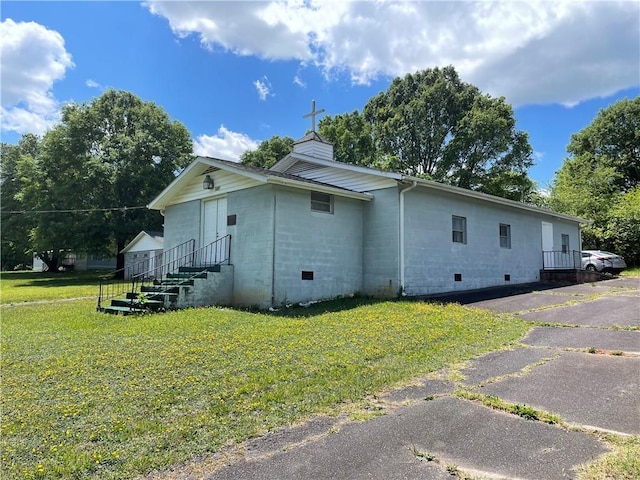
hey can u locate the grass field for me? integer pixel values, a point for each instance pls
(631, 272)
(37, 286)
(89, 395)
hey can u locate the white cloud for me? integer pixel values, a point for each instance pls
(299, 82)
(530, 52)
(244, 28)
(32, 59)
(263, 87)
(93, 84)
(225, 144)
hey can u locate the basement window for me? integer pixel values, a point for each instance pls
(307, 275)
(321, 202)
(457, 277)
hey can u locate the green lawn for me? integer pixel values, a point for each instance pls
(34, 286)
(88, 395)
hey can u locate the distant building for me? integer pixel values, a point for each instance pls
(143, 254)
(81, 262)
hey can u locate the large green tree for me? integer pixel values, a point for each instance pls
(600, 178)
(352, 137)
(612, 140)
(97, 170)
(15, 162)
(432, 124)
(268, 152)
(622, 230)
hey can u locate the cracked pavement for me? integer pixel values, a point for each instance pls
(581, 361)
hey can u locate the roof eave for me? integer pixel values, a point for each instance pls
(136, 239)
(319, 188)
(292, 157)
(160, 202)
(493, 199)
(284, 163)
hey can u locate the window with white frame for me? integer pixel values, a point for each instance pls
(565, 243)
(505, 235)
(321, 202)
(459, 229)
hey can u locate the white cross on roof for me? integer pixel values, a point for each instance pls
(313, 114)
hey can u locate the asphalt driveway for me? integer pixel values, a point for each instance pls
(582, 364)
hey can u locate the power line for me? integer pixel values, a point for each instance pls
(81, 210)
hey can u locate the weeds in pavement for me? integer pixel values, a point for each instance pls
(623, 463)
(497, 403)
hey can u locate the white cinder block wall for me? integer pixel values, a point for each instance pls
(327, 244)
(252, 245)
(181, 223)
(433, 259)
(355, 249)
(381, 234)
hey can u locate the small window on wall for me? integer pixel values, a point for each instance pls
(459, 229)
(505, 235)
(565, 243)
(321, 202)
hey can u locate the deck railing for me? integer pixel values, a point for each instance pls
(558, 260)
(216, 253)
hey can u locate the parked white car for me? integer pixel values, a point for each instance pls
(601, 261)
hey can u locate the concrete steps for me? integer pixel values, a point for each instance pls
(154, 297)
(118, 310)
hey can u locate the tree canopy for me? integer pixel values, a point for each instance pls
(612, 141)
(352, 137)
(105, 156)
(622, 230)
(268, 152)
(16, 226)
(599, 181)
(433, 125)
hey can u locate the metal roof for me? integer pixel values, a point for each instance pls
(297, 181)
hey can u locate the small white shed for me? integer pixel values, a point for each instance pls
(143, 254)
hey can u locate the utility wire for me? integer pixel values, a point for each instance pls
(84, 210)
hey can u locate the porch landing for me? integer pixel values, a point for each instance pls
(571, 275)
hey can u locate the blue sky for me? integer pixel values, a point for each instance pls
(236, 73)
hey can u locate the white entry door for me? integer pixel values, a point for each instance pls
(547, 244)
(214, 220)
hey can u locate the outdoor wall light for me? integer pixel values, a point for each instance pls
(207, 183)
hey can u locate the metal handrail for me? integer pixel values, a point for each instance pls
(117, 286)
(215, 253)
(559, 260)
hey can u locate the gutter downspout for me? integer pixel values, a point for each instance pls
(273, 252)
(414, 184)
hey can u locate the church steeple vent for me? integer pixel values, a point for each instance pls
(313, 144)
